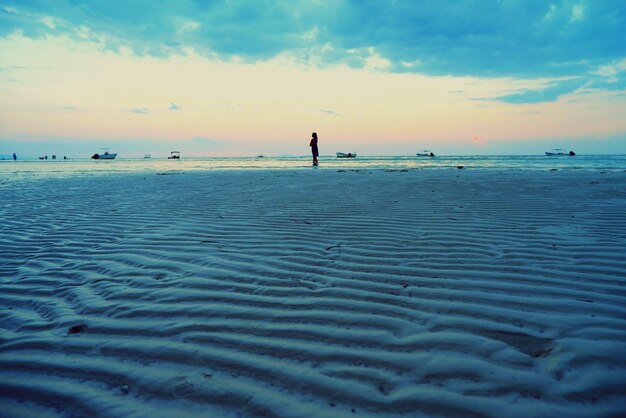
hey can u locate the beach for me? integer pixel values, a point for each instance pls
(317, 293)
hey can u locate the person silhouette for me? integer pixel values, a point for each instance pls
(314, 150)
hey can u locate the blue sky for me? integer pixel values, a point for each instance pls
(544, 50)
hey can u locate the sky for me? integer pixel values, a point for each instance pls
(382, 77)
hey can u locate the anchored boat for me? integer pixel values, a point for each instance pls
(560, 151)
(105, 156)
(425, 153)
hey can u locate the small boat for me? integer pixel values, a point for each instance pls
(425, 153)
(105, 156)
(560, 151)
(174, 155)
(346, 155)
(147, 156)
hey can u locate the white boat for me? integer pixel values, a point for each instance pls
(425, 153)
(105, 156)
(560, 151)
(346, 155)
(174, 155)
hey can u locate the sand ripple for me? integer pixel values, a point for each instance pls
(321, 293)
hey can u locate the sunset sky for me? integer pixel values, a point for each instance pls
(257, 77)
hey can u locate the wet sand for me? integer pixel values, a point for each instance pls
(317, 293)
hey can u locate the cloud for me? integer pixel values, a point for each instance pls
(550, 93)
(330, 112)
(26, 68)
(139, 110)
(484, 38)
(174, 106)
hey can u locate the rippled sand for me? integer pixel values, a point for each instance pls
(314, 293)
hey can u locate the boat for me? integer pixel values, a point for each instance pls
(147, 156)
(425, 153)
(346, 155)
(174, 155)
(105, 156)
(560, 151)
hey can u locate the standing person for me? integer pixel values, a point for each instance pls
(314, 150)
(14, 157)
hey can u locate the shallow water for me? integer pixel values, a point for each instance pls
(85, 166)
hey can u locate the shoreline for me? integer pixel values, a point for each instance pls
(25, 169)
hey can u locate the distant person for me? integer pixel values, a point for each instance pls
(14, 157)
(314, 150)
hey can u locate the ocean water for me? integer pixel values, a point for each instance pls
(84, 166)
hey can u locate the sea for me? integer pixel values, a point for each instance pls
(21, 169)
